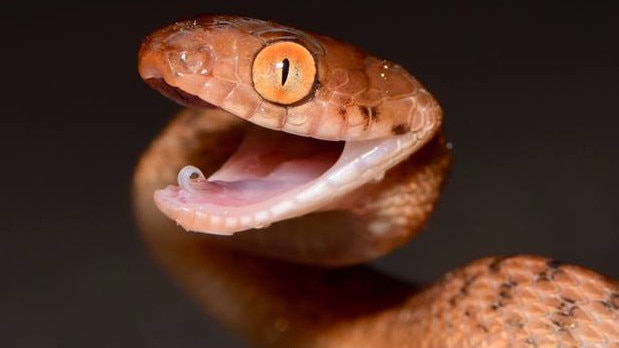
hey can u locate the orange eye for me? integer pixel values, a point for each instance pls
(284, 72)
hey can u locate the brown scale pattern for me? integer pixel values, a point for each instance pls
(522, 301)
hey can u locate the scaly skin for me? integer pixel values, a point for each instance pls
(519, 301)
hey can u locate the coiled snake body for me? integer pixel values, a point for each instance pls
(314, 155)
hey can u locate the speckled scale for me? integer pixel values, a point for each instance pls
(521, 301)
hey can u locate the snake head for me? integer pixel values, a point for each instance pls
(335, 117)
(284, 79)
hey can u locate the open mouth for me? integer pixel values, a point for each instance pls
(273, 175)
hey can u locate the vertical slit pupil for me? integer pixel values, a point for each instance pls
(285, 70)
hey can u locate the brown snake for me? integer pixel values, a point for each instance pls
(342, 161)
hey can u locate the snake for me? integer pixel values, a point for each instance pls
(299, 158)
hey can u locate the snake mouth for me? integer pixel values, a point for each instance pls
(274, 175)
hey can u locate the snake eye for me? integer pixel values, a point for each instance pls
(284, 72)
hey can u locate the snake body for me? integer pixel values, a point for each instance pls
(342, 160)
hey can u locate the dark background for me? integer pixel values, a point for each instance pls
(530, 96)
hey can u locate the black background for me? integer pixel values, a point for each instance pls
(530, 96)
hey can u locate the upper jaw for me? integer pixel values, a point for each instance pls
(211, 58)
